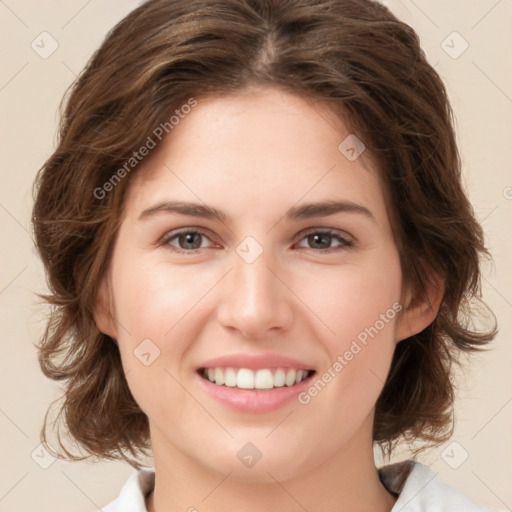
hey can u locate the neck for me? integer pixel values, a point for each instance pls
(347, 481)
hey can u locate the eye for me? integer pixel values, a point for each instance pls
(186, 241)
(190, 240)
(322, 239)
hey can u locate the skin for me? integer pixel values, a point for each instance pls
(254, 155)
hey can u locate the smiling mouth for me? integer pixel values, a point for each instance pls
(263, 379)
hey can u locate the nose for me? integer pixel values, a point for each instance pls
(256, 301)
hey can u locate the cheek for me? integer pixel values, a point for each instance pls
(151, 306)
(153, 300)
(353, 297)
(161, 311)
(360, 306)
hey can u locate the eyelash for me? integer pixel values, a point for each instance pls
(345, 243)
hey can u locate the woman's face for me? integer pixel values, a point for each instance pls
(271, 286)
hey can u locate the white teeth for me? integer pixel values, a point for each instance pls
(290, 377)
(245, 378)
(230, 378)
(263, 380)
(279, 378)
(219, 376)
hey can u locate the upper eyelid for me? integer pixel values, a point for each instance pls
(333, 231)
(169, 235)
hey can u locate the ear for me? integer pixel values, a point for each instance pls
(418, 312)
(104, 309)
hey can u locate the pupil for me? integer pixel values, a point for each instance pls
(318, 237)
(189, 240)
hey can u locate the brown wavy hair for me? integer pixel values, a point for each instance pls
(353, 54)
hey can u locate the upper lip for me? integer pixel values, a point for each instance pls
(255, 362)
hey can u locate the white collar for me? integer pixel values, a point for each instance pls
(421, 490)
(418, 487)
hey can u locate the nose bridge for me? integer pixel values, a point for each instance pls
(254, 300)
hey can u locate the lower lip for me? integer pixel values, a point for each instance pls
(256, 401)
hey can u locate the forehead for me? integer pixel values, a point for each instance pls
(258, 150)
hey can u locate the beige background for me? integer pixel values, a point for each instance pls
(479, 81)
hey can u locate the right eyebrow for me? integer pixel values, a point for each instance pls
(185, 208)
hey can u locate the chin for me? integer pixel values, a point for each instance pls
(260, 461)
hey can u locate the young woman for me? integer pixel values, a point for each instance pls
(259, 252)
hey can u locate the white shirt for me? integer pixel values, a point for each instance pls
(418, 487)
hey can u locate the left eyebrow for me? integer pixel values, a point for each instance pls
(326, 208)
(304, 211)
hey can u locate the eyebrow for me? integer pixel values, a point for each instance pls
(304, 211)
